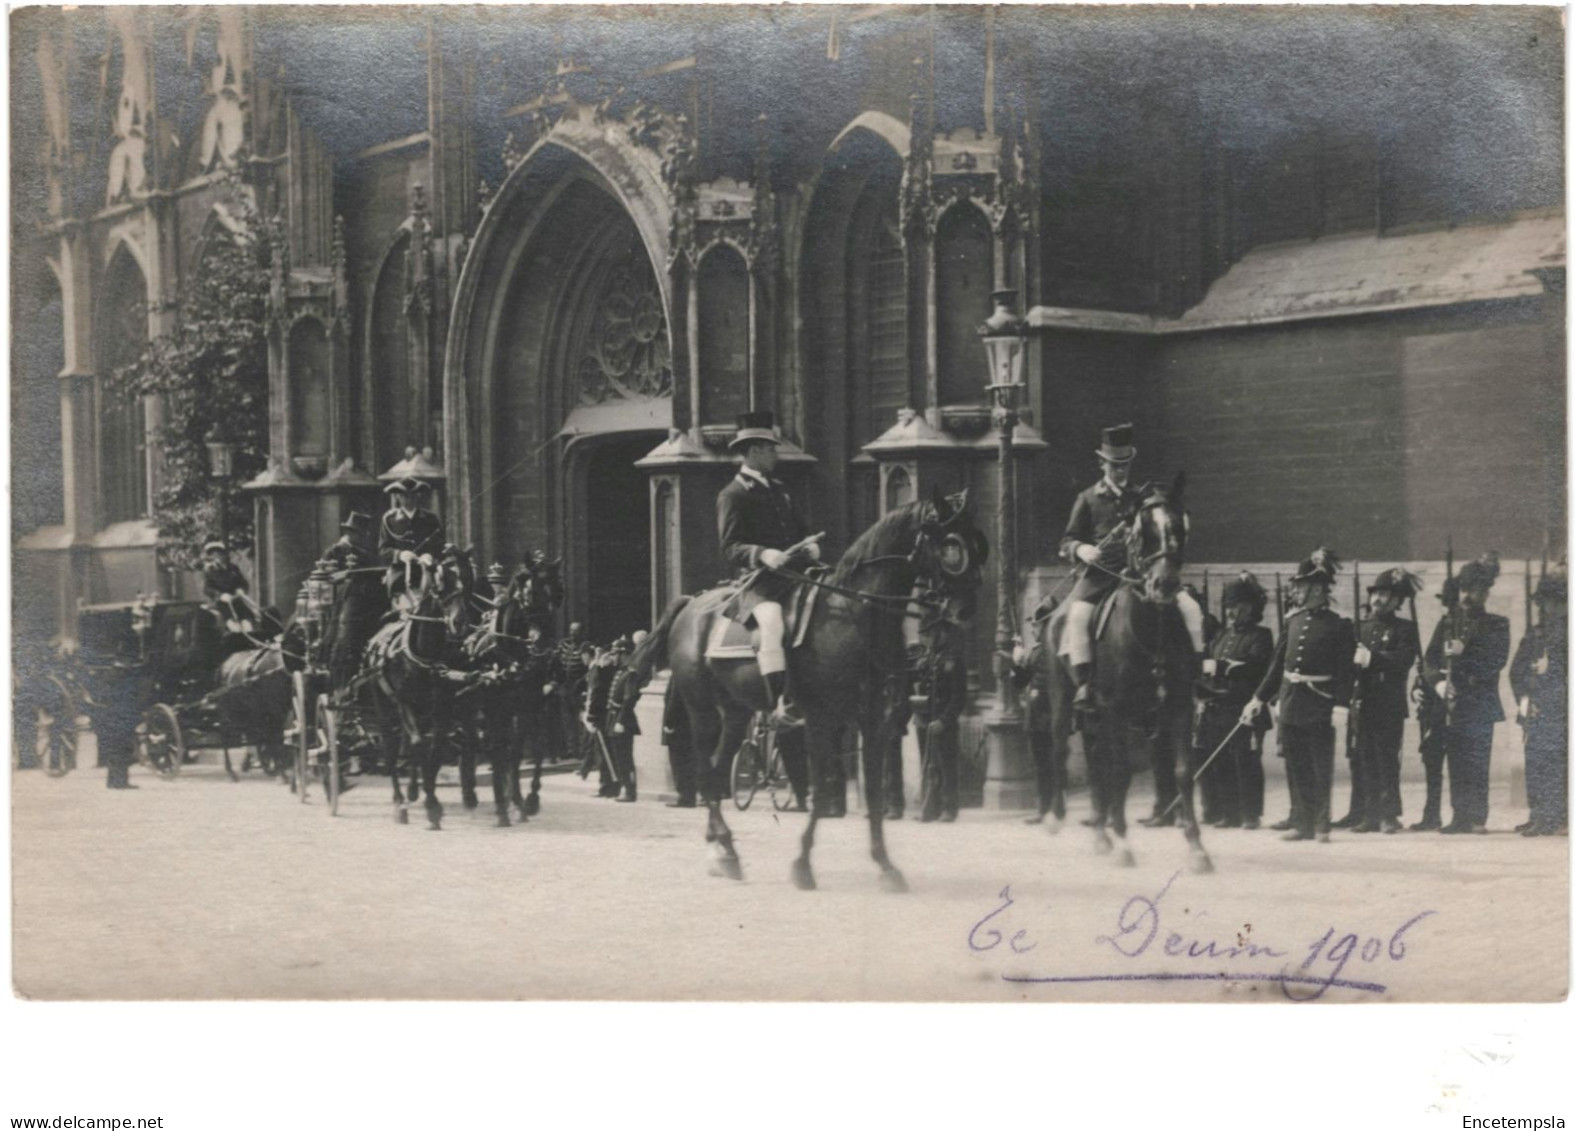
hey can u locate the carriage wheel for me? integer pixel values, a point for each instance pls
(328, 727)
(748, 772)
(301, 740)
(160, 743)
(60, 753)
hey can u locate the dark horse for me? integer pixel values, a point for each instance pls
(254, 696)
(838, 673)
(1144, 669)
(404, 665)
(504, 700)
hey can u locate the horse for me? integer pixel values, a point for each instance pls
(1144, 668)
(839, 671)
(507, 699)
(254, 696)
(403, 663)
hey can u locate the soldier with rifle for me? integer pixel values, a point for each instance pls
(1463, 662)
(1281, 606)
(1539, 678)
(598, 692)
(1387, 648)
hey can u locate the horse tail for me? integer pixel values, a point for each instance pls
(652, 652)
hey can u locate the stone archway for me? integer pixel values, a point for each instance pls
(560, 354)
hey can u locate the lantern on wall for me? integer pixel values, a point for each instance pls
(1005, 344)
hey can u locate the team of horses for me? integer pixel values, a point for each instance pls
(457, 663)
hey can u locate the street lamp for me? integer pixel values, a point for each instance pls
(1006, 343)
(221, 461)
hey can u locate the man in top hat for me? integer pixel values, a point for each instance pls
(226, 588)
(758, 525)
(1239, 657)
(1095, 538)
(409, 532)
(1386, 650)
(1539, 678)
(1463, 663)
(1311, 674)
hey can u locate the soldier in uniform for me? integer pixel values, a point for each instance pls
(1386, 650)
(408, 534)
(1430, 721)
(1311, 674)
(1463, 662)
(566, 736)
(1095, 538)
(595, 720)
(224, 585)
(1028, 673)
(944, 694)
(757, 525)
(1539, 678)
(1239, 657)
(623, 696)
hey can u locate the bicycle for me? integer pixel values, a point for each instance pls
(758, 763)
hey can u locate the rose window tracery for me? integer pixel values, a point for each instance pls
(625, 352)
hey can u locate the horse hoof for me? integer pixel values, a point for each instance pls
(1201, 864)
(503, 822)
(891, 880)
(471, 802)
(803, 878)
(727, 868)
(532, 805)
(1102, 845)
(401, 817)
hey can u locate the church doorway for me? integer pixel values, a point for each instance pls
(613, 528)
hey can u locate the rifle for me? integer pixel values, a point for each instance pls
(1279, 601)
(1353, 716)
(1531, 620)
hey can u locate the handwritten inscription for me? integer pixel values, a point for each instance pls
(1306, 971)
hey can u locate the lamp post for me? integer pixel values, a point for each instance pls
(1007, 774)
(221, 460)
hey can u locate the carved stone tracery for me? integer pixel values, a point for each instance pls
(625, 352)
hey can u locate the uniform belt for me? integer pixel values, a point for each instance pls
(1311, 682)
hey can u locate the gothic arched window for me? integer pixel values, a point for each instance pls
(724, 335)
(964, 258)
(121, 330)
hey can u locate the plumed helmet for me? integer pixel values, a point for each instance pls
(1480, 574)
(1401, 582)
(1244, 587)
(1320, 567)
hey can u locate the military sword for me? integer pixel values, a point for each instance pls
(1207, 762)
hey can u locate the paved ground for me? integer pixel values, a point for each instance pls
(200, 888)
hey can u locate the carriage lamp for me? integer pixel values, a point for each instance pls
(1006, 344)
(320, 591)
(221, 454)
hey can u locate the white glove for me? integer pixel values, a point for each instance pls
(406, 556)
(1363, 656)
(1342, 714)
(1210, 667)
(1250, 712)
(1541, 666)
(1455, 648)
(1087, 553)
(813, 550)
(618, 729)
(773, 559)
(426, 559)
(1444, 690)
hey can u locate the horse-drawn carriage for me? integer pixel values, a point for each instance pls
(205, 686)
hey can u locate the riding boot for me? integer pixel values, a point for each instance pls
(783, 712)
(1435, 796)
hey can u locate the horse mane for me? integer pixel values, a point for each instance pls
(873, 543)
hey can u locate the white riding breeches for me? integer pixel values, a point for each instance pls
(1079, 635)
(768, 619)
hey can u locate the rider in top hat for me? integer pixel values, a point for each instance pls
(1386, 650)
(1095, 538)
(226, 588)
(409, 531)
(1463, 661)
(1312, 675)
(1539, 678)
(758, 524)
(360, 602)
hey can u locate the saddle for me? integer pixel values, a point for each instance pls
(730, 640)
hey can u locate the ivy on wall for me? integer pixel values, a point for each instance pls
(210, 372)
